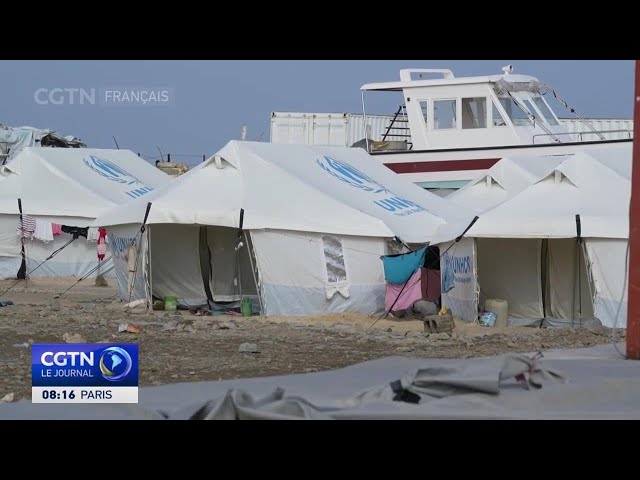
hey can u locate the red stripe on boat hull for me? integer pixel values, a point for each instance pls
(443, 165)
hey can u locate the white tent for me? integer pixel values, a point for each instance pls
(69, 187)
(525, 250)
(505, 179)
(316, 221)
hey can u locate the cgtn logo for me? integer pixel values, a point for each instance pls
(85, 373)
(115, 173)
(357, 179)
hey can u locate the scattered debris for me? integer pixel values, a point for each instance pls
(405, 349)
(511, 344)
(249, 348)
(101, 281)
(8, 398)
(135, 305)
(158, 305)
(230, 325)
(6, 303)
(73, 338)
(438, 323)
(21, 345)
(125, 327)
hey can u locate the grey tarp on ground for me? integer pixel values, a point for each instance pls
(599, 385)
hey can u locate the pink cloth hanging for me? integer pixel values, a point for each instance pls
(411, 293)
(56, 229)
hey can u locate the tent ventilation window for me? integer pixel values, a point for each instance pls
(334, 259)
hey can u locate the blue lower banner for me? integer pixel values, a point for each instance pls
(84, 373)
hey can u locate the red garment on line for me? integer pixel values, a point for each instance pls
(102, 243)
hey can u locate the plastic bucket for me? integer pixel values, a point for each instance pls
(246, 308)
(170, 304)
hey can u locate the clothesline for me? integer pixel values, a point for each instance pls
(35, 229)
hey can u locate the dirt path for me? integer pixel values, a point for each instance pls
(183, 347)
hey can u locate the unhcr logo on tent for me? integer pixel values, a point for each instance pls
(115, 173)
(346, 173)
(354, 177)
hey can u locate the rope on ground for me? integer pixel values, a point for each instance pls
(41, 263)
(94, 269)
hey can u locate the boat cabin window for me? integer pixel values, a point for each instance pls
(545, 111)
(424, 106)
(474, 112)
(496, 117)
(444, 114)
(532, 110)
(518, 117)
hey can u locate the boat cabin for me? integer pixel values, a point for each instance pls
(467, 112)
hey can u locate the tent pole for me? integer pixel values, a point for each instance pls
(576, 274)
(238, 247)
(149, 272)
(633, 304)
(573, 290)
(253, 271)
(22, 271)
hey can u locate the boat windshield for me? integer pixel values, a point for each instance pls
(545, 111)
(518, 117)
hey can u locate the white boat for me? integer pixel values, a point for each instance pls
(450, 129)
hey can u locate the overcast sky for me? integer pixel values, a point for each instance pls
(205, 103)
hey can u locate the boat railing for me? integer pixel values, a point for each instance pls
(580, 135)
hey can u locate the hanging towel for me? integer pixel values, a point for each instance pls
(102, 245)
(431, 284)
(92, 234)
(26, 226)
(56, 228)
(399, 268)
(43, 231)
(75, 231)
(448, 277)
(411, 293)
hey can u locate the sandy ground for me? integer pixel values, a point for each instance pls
(181, 347)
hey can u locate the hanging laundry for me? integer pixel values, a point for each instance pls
(56, 229)
(399, 268)
(75, 231)
(92, 234)
(43, 231)
(411, 293)
(26, 226)
(102, 243)
(431, 284)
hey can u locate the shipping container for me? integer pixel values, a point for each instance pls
(345, 129)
